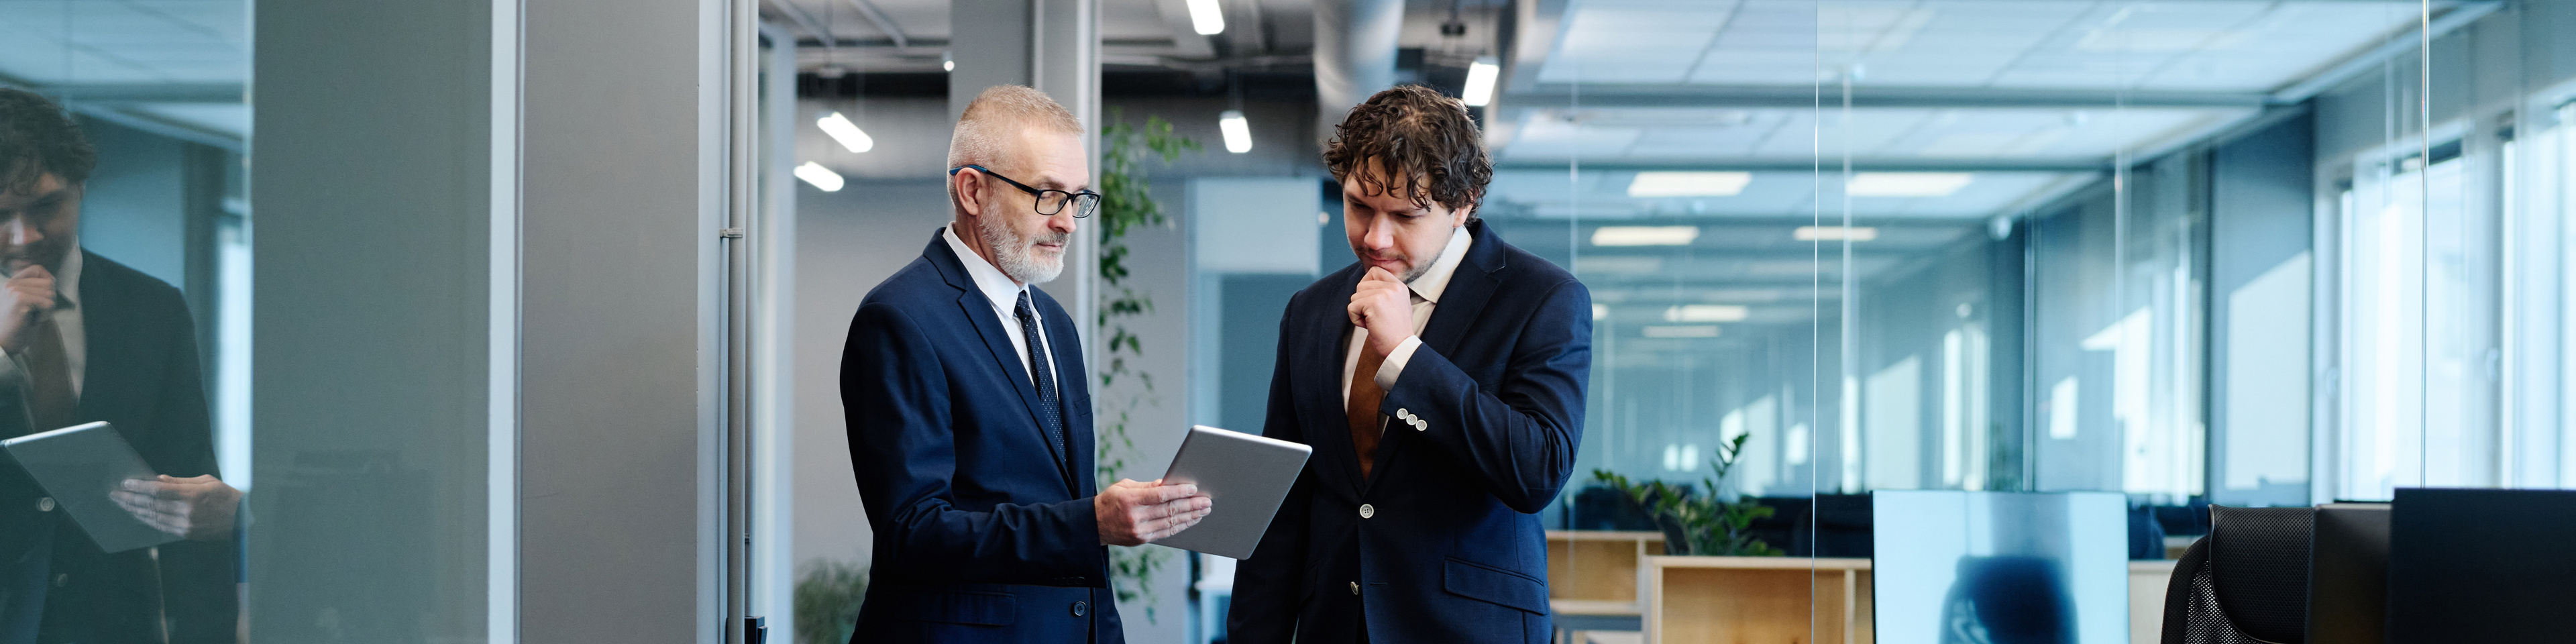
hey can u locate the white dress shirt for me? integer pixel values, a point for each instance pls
(67, 321)
(1426, 297)
(1005, 295)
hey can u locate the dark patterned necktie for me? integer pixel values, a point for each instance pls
(1050, 411)
(51, 404)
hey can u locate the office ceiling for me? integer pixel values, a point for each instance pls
(2197, 45)
(2002, 105)
(911, 35)
(172, 65)
(2007, 104)
(1955, 85)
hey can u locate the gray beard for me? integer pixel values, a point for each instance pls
(1013, 254)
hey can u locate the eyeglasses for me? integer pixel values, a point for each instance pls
(1050, 201)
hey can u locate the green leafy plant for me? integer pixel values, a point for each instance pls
(1697, 525)
(827, 600)
(1127, 201)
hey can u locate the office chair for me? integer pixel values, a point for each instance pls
(2245, 583)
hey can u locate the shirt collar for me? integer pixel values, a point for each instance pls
(996, 286)
(1435, 281)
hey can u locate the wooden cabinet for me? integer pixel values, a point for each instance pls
(1755, 600)
(1595, 576)
(1597, 565)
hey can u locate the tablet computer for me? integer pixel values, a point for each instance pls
(78, 466)
(1244, 477)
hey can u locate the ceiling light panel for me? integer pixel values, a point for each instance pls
(845, 132)
(1691, 331)
(1603, 195)
(821, 177)
(1707, 313)
(1835, 233)
(1644, 235)
(1793, 134)
(1907, 184)
(1688, 184)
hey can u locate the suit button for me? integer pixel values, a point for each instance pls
(1367, 511)
(61, 580)
(1081, 609)
(1355, 588)
(45, 504)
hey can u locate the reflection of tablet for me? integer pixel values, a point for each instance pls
(78, 466)
(1244, 477)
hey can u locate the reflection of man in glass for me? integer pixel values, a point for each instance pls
(89, 339)
(2007, 600)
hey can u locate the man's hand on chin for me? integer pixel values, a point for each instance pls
(1135, 514)
(1383, 305)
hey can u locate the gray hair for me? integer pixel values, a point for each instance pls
(991, 128)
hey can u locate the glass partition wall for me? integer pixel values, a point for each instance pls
(2164, 253)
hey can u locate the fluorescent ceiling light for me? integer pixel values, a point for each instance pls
(1206, 17)
(1906, 184)
(846, 132)
(1480, 83)
(1600, 312)
(1618, 264)
(820, 176)
(1681, 331)
(1238, 132)
(1644, 235)
(1688, 184)
(1836, 233)
(1707, 313)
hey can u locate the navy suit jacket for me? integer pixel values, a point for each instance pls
(980, 535)
(1442, 542)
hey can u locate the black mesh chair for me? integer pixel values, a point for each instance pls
(2246, 582)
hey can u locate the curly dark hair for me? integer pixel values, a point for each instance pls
(1421, 138)
(37, 137)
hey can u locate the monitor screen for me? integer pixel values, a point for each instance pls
(1954, 567)
(2478, 565)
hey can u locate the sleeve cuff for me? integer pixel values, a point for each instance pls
(1394, 365)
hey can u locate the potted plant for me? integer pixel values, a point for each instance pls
(1695, 524)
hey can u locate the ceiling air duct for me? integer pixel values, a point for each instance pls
(1355, 43)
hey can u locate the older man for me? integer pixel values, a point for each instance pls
(1440, 380)
(969, 419)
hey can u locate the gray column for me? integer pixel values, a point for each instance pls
(624, 152)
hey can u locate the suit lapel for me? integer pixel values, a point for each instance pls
(1470, 288)
(107, 334)
(979, 313)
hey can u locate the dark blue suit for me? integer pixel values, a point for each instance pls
(1452, 549)
(981, 535)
